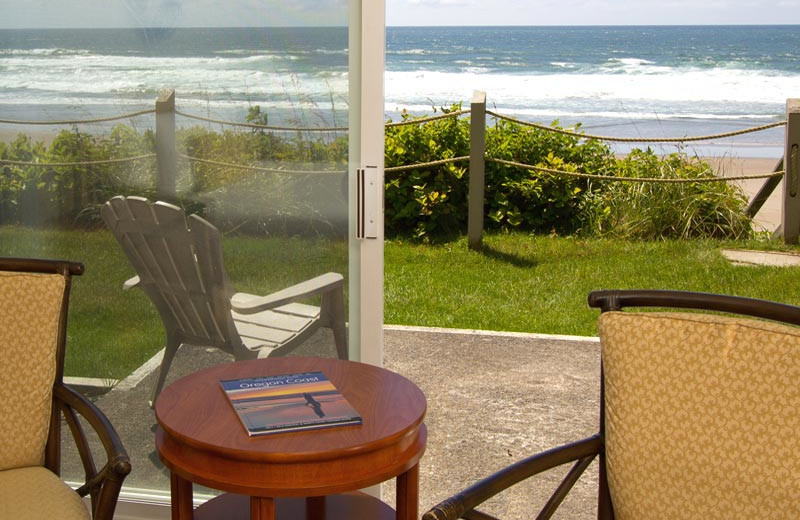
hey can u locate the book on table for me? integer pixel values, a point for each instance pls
(286, 403)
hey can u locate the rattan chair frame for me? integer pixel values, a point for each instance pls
(583, 452)
(102, 485)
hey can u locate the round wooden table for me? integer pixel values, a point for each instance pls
(306, 474)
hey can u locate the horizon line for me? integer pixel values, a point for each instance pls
(110, 27)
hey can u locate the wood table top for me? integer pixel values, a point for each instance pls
(195, 411)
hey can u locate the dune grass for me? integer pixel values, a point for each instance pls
(517, 283)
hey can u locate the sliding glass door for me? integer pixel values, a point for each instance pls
(257, 116)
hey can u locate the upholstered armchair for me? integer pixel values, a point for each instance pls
(34, 296)
(698, 414)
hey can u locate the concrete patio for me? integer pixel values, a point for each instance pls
(493, 398)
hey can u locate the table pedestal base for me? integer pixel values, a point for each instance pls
(346, 506)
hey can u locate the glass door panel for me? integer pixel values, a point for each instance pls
(238, 112)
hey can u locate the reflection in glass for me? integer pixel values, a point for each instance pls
(259, 150)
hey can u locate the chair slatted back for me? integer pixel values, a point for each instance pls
(179, 263)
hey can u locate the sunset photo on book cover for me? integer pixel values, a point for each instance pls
(288, 403)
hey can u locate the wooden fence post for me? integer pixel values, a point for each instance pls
(166, 153)
(790, 217)
(477, 169)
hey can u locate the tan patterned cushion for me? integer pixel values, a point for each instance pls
(702, 416)
(29, 310)
(37, 494)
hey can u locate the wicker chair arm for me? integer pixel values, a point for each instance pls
(462, 504)
(614, 300)
(249, 304)
(103, 485)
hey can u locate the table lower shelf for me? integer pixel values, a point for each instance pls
(346, 506)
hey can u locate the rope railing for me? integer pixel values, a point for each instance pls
(428, 119)
(616, 178)
(263, 127)
(78, 163)
(79, 121)
(252, 168)
(638, 139)
(426, 164)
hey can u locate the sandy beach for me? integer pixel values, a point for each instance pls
(769, 216)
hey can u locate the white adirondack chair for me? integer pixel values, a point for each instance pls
(179, 265)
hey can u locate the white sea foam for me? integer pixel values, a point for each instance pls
(44, 52)
(622, 87)
(690, 85)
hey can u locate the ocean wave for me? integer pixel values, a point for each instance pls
(631, 61)
(331, 52)
(405, 52)
(719, 85)
(45, 52)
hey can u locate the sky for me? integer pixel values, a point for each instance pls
(238, 13)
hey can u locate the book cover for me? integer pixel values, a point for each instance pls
(285, 403)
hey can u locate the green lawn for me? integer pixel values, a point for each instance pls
(518, 283)
(539, 283)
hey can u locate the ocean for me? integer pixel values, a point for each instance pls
(630, 81)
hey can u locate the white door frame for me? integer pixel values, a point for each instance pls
(367, 64)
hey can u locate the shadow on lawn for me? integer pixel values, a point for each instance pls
(509, 258)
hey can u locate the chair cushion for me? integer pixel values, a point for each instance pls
(701, 416)
(30, 305)
(37, 494)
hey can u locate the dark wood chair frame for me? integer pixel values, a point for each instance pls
(582, 453)
(101, 485)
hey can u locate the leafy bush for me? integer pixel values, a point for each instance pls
(427, 202)
(430, 200)
(71, 195)
(666, 210)
(433, 200)
(532, 200)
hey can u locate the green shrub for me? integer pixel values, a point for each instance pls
(532, 200)
(433, 200)
(430, 200)
(666, 210)
(426, 202)
(70, 196)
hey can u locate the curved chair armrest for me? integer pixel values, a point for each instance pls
(583, 451)
(249, 304)
(614, 300)
(130, 283)
(103, 485)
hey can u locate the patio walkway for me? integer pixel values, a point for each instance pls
(493, 398)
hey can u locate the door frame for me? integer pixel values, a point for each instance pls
(367, 64)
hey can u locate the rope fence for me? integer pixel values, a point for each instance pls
(263, 127)
(423, 120)
(639, 139)
(426, 164)
(79, 163)
(80, 121)
(167, 154)
(551, 171)
(252, 168)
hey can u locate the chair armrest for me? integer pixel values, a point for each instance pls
(249, 304)
(464, 502)
(130, 283)
(103, 485)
